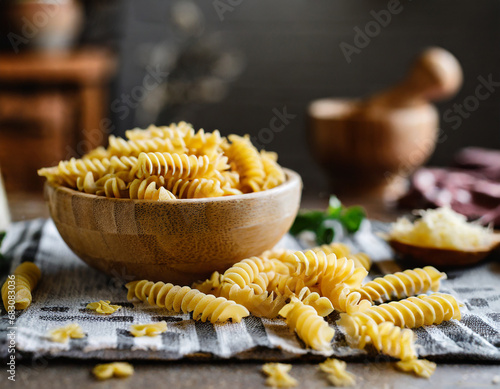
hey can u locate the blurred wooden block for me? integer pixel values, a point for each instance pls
(51, 107)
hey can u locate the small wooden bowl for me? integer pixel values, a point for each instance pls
(439, 256)
(178, 241)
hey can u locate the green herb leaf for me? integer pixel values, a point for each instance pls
(310, 221)
(334, 207)
(324, 234)
(352, 217)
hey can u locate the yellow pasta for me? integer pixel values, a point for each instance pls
(402, 284)
(415, 312)
(114, 369)
(321, 305)
(193, 164)
(16, 291)
(173, 165)
(310, 327)
(420, 367)
(385, 337)
(176, 298)
(278, 376)
(63, 334)
(341, 250)
(103, 307)
(194, 189)
(247, 163)
(337, 373)
(150, 329)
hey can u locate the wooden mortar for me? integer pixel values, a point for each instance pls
(371, 146)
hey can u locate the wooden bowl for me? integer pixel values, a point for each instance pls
(440, 256)
(178, 241)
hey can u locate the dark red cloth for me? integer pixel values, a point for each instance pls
(471, 187)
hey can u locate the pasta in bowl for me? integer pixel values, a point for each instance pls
(171, 206)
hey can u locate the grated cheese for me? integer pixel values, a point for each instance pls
(442, 228)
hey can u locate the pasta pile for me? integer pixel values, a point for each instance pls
(19, 286)
(168, 163)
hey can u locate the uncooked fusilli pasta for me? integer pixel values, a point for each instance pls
(193, 164)
(16, 291)
(177, 298)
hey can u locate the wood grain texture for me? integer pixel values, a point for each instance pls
(178, 241)
(442, 257)
(373, 144)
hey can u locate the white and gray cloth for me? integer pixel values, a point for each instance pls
(68, 285)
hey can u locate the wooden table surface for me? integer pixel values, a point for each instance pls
(231, 374)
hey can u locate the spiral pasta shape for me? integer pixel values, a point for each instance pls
(173, 165)
(176, 298)
(16, 290)
(246, 271)
(342, 250)
(346, 300)
(385, 337)
(322, 305)
(414, 312)
(402, 284)
(197, 188)
(204, 143)
(309, 263)
(274, 173)
(111, 186)
(341, 270)
(67, 172)
(133, 148)
(247, 163)
(173, 131)
(310, 327)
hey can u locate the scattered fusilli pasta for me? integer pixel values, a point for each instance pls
(114, 369)
(278, 376)
(150, 329)
(16, 291)
(63, 334)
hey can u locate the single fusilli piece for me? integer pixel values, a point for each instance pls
(310, 327)
(63, 334)
(247, 162)
(342, 250)
(309, 263)
(197, 188)
(114, 369)
(245, 272)
(278, 376)
(346, 300)
(337, 373)
(150, 329)
(274, 173)
(16, 291)
(414, 312)
(385, 337)
(176, 298)
(420, 367)
(103, 307)
(402, 284)
(132, 148)
(174, 165)
(67, 172)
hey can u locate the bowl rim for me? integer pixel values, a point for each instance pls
(293, 178)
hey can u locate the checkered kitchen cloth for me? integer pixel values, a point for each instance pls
(67, 285)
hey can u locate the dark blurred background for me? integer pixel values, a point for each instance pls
(228, 64)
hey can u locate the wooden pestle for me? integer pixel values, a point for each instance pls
(367, 145)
